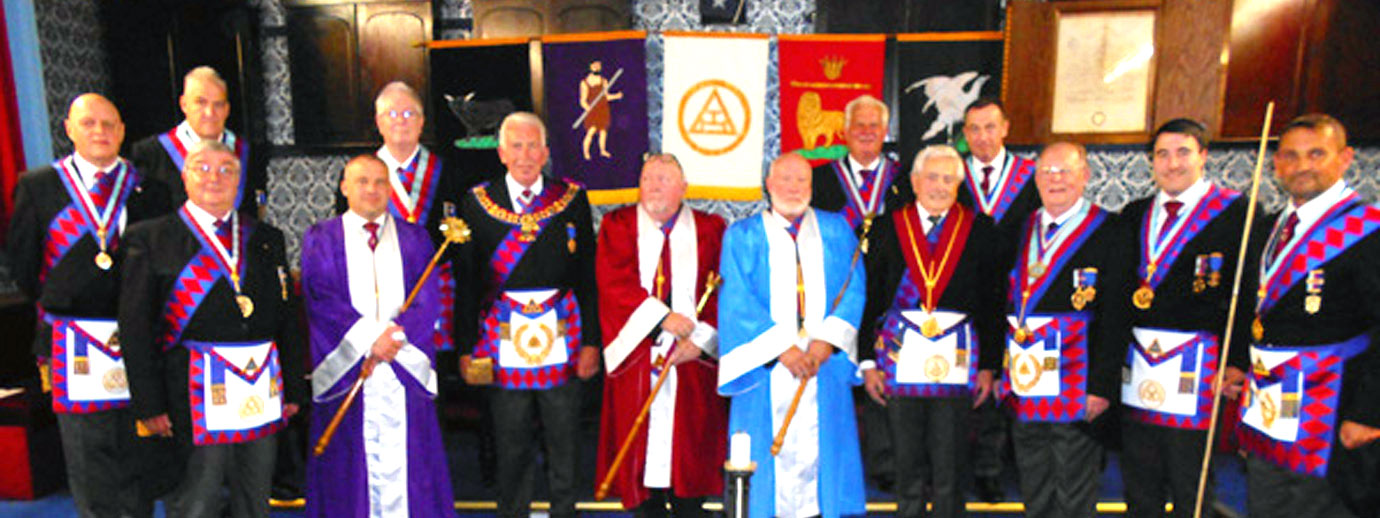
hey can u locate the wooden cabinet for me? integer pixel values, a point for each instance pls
(342, 53)
(514, 18)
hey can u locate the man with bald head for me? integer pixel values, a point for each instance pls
(792, 300)
(209, 327)
(654, 260)
(386, 458)
(206, 106)
(528, 319)
(932, 332)
(1068, 329)
(64, 245)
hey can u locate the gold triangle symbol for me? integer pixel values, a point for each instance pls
(251, 368)
(1025, 368)
(1155, 348)
(713, 118)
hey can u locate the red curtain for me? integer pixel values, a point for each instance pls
(11, 143)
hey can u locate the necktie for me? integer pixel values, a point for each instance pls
(373, 229)
(869, 176)
(662, 288)
(1285, 234)
(933, 234)
(986, 184)
(794, 227)
(223, 233)
(100, 189)
(1171, 209)
(407, 174)
(525, 200)
(1048, 235)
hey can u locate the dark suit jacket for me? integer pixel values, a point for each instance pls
(1176, 305)
(1027, 201)
(1109, 331)
(74, 286)
(155, 252)
(826, 193)
(548, 262)
(977, 288)
(150, 157)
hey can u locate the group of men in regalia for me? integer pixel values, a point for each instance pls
(961, 295)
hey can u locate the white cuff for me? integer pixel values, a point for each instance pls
(839, 333)
(354, 346)
(867, 365)
(756, 353)
(706, 338)
(417, 365)
(642, 322)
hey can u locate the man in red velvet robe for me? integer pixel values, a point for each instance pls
(653, 263)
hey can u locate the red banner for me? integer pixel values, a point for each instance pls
(820, 74)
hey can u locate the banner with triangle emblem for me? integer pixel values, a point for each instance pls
(714, 111)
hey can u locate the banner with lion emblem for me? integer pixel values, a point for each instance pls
(713, 113)
(820, 73)
(940, 74)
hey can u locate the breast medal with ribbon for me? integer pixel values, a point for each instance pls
(1046, 358)
(529, 362)
(1161, 247)
(926, 352)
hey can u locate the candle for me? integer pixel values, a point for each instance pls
(740, 450)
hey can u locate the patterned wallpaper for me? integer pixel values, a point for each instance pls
(73, 58)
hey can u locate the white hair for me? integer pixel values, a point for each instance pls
(204, 146)
(204, 74)
(936, 151)
(865, 100)
(396, 87)
(520, 118)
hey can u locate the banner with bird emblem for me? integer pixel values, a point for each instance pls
(820, 74)
(939, 75)
(596, 110)
(714, 92)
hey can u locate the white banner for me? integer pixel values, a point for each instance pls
(714, 111)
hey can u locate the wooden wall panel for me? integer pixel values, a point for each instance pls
(1191, 71)
(1264, 58)
(1028, 80)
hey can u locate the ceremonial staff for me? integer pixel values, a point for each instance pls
(455, 231)
(712, 281)
(800, 390)
(1231, 310)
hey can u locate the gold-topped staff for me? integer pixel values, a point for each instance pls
(711, 282)
(456, 231)
(800, 390)
(1231, 310)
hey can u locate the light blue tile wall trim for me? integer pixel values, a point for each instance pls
(22, 30)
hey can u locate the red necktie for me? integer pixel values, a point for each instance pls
(1171, 208)
(100, 189)
(407, 174)
(223, 233)
(373, 229)
(1286, 233)
(663, 274)
(869, 177)
(986, 184)
(525, 201)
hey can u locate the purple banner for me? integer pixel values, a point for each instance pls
(596, 105)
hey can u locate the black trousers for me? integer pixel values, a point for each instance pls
(655, 506)
(988, 447)
(1061, 468)
(245, 468)
(1159, 465)
(100, 455)
(930, 438)
(518, 414)
(1275, 492)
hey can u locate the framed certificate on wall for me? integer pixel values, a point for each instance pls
(1104, 71)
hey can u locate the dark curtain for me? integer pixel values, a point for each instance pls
(11, 144)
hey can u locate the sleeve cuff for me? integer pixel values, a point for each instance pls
(643, 321)
(867, 365)
(706, 337)
(756, 353)
(353, 347)
(839, 333)
(417, 365)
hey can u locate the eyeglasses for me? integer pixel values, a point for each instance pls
(204, 168)
(1055, 170)
(402, 114)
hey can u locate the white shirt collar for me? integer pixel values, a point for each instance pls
(1189, 197)
(206, 220)
(1313, 209)
(857, 167)
(515, 189)
(393, 164)
(925, 216)
(352, 220)
(997, 162)
(1046, 219)
(189, 137)
(87, 170)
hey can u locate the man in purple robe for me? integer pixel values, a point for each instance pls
(386, 458)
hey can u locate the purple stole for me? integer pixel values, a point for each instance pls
(553, 199)
(196, 280)
(177, 151)
(1018, 171)
(1311, 404)
(1065, 332)
(861, 201)
(74, 221)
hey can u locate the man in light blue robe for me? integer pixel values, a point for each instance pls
(790, 311)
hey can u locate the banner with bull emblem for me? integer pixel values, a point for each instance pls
(596, 110)
(474, 85)
(713, 111)
(939, 75)
(820, 74)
